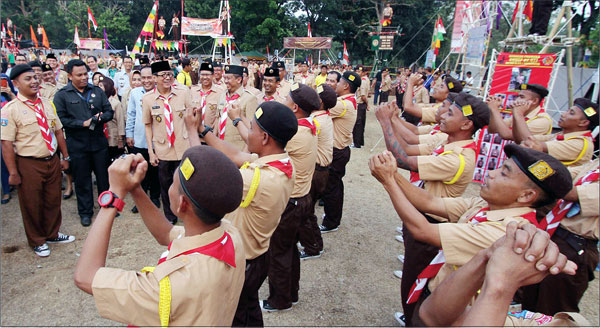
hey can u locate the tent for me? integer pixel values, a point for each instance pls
(253, 55)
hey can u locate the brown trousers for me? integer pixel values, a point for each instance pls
(284, 258)
(248, 313)
(333, 197)
(309, 232)
(40, 198)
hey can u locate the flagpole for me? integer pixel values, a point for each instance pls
(89, 31)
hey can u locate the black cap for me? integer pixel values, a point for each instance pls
(217, 64)
(451, 96)
(211, 181)
(474, 109)
(327, 95)
(244, 60)
(207, 67)
(536, 88)
(277, 120)
(352, 78)
(453, 84)
(245, 70)
(385, 69)
(305, 97)
(35, 63)
(19, 69)
(50, 55)
(144, 60)
(234, 69)
(160, 66)
(359, 68)
(272, 72)
(303, 62)
(544, 170)
(278, 64)
(590, 110)
(46, 67)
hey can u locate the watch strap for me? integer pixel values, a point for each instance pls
(207, 129)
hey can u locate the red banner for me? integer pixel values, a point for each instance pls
(511, 71)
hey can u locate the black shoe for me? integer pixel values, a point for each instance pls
(174, 222)
(86, 221)
(321, 202)
(67, 196)
(265, 306)
(325, 229)
(156, 202)
(6, 200)
(134, 209)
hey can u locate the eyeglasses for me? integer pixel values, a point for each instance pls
(165, 75)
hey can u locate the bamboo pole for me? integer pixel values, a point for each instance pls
(567, 7)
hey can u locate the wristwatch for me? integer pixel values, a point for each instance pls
(236, 121)
(108, 199)
(207, 129)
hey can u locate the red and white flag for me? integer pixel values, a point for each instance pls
(91, 18)
(346, 56)
(76, 38)
(309, 32)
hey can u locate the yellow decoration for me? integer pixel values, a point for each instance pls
(450, 85)
(351, 77)
(253, 186)
(164, 298)
(583, 151)
(320, 89)
(187, 168)
(461, 168)
(541, 170)
(258, 113)
(467, 110)
(589, 112)
(294, 86)
(523, 86)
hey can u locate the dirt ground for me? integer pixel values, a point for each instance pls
(351, 284)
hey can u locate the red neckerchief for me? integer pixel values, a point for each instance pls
(352, 99)
(561, 137)
(540, 112)
(283, 165)
(435, 129)
(305, 122)
(222, 249)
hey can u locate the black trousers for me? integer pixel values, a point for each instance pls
(383, 96)
(334, 193)
(114, 152)
(542, 10)
(248, 313)
(358, 133)
(309, 232)
(82, 165)
(165, 176)
(150, 182)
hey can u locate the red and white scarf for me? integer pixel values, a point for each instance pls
(38, 107)
(223, 118)
(168, 119)
(307, 123)
(283, 165)
(203, 96)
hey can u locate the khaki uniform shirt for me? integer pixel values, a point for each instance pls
(116, 126)
(421, 96)
(302, 149)
(257, 93)
(428, 112)
(537, 123)
(211, 112)
(308, 79)
(20, 125)
(48, 90)
(386, 84)
(427, 135)
(462, 240)
(276, 97)
(585, 223)
(574, 150)
(535, 319)
(343, 115)
(204, 290)
(153, 112)
(284, 88)
(324, 137)
(365, 86)
(63, 78)
(258, 220)
(248, 104)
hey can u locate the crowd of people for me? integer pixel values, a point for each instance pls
(239, 156)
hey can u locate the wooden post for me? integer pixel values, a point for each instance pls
(89, 31)
(567, 8)
(554, 29)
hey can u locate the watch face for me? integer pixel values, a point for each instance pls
(105, 199)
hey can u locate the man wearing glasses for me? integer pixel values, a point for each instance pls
(206, 95)
(163, 110)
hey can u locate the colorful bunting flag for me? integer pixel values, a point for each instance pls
(148, 28)
(33, 37)
(438, 35)
(45, 40)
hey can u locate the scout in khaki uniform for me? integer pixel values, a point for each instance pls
(235, 94)
(167, 138)
(305, 77)
(573, 224)
(386, 85)
(427, 112)
(362, 102)
(250, 87)
(198, 280)
(574, 145)
(284, 85)
(31, 136)
(270, 85)
(284, 267)
(528, 179)
(343, 115)
(309, 232)
(494, 275)
(206, 96)
(538, 121)
(268, 183)
(47, 88)
(218, 75)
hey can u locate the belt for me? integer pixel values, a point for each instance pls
(321, 168)
(577, 242)
(45, 159)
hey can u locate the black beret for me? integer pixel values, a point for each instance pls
(160, 66)
(304, 62)
(35, 63)
(46, 67)
(539, 89)
(359, 68)
(144, 60)
(305, 97)
(234, 69)
(589, 108)
(474, 109)
(272, 71)
(453, 84)
(544, 170)
(277, 120)
(385, 69)
(207, 67)
(278, 64)
(50, 55)
(217, 64)
(352, 78)
(245, 70)
(19, 69)
(451, 96)
(211, 181)
(244, 60)
(327, 95)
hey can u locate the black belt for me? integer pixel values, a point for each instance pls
(45, 159)
(577, 242)
(321, 168)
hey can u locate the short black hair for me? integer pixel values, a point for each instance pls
(75, 62)
(337, 74)
(185, 62)
(352, 87)
(92, 56)
(324, 66)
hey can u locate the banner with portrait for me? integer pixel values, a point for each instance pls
(91, 43)
(201, 27)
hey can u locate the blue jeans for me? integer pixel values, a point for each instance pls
(4, 173)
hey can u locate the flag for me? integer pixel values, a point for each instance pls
(148, 28)
(346, 56)
(76, 38)
(527, 11)
(91, 18)
(309, 32)
(33, 37)
(138, 45)
(105, 38)
(3, 35)
(160, 34)
(438, 36)
(45, 41)
(268, 51)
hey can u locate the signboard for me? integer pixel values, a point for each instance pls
(430, 58)
(511, 70)
(387, 42)
(307, 43)
(375, 42)
(476, 45)
(201, 27)
(91, 43)
(465, 14)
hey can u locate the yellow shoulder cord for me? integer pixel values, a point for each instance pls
(317, 125)
(585, 147)
(164, 298)
(345, 109)
(461, 168)
(542, 116)
(253, 186)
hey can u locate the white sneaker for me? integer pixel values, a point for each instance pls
(61, 239)
(399, 229)
(398, 274)
(42, 250)
(300, 247)
(400, 238)
(401, 258)
(399, 316)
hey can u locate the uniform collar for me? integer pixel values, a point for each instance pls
(70, 86)
(576, 134)
(533, 113)
(157, 94)
(459, 143)
(500, 215)
(23, 98)
(239, 91)
(271, 158)
(184, 244)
